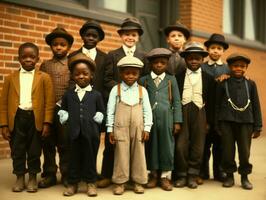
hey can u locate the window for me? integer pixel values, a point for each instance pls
(115, 5)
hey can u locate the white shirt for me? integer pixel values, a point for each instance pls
(154, 76)
(81, 91)
(25, 82)
(215, 63)
(192, 91)
(129, 51)
(90, 52)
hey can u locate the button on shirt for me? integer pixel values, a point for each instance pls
(130, 96)
(25, 81)
(129, 51)
(81, 91)
(90, 52)
(192, 91)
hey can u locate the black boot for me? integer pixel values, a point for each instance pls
(229, 180)
(245, 183)
(191, 182)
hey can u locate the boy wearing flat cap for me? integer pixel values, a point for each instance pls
(238, 119)
(130, 33)
(196, 89)
(83, 110)
(60, 42)
(129, 121)
(167, 116)
(216, 46)
(176, 36)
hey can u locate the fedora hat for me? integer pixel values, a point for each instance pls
(194, 47)
(92, 24)
(178, 27)
(80, 57)
(216, 38)
(59, 32)
(131, 23)
(237, 56)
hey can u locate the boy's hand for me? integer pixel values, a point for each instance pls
(111, 138)
(255, 134)
(222, 77)
(46, 130)
(5, 133)
(145, 136)
(176, 129)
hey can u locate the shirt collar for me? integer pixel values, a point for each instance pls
(89, 51)
(125, 87)
(88, 88)
(161, 76)
(62, 60)
(22, 70)
(126, 49)
(212, 62)
(193, 72)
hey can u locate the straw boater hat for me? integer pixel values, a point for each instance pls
(194, 47)
(159, 52)
(131, 23)
(80, 57)
(237, 56)
(216, 38)
(130, 61)
(92, 24)
(59, 32)
(178, 27)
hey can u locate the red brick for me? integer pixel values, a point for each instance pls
(28, 13)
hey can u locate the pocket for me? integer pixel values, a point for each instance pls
(121, 133)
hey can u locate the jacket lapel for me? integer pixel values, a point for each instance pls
(74, 95)
(16, 83)
(36, 80)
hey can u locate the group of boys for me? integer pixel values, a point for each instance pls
(168, 98)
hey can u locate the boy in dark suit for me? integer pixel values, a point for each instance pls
(83, 109)
(60, 42)
(129, 32)
(26, 113)
(238, 119)
(196, 89)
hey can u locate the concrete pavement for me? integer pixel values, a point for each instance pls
(209, 190)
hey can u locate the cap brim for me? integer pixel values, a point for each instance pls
(185, 53)
(130, 28)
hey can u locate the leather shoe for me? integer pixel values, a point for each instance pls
(191, 182)
(70, 190)
(166, 184)
(47, 181)
(152, 183)
(19, 186)
(180, 182)
(92, 192)
(229, 181)
(119, 189)
(245, 183)
(32, 184)
(103, 183)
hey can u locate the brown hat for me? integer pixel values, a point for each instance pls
(92, 24)
(194, 47)
(178, 27)
(237, 56)
(159, 52)
(59, 32)
(80, 57)
(216, 38)
(131, 23)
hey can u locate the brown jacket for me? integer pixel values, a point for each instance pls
(43, 100)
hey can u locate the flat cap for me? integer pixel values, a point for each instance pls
(178, 27)
(59, 32)
(131, 23)
(80, 57)
(237, 56)
(130, 61)
(92, 24)
(159, 52)
(194, 47)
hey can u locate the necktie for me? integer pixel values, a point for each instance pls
(130, 53)
(157, 81)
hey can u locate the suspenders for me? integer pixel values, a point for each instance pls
(119, 93)
(235, 107)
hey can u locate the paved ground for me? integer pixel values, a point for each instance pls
(210, 190)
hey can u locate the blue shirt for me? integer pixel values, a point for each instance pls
(130, 96)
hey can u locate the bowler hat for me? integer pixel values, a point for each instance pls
(178, 27)
(130, 61)
(80, 57)
(158, 52)
(131, 23)
(92, 24)
(237, 56)
(216, 38)
(59, 32)
(194, 47)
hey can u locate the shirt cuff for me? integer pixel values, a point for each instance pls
(147, 128)
(110, 129)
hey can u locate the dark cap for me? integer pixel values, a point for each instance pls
(130, 61)
(194, 47)
(216, 38)
(59, 32)
(95, 25)
(237, 56)
(80, 57)
(131, 23)
(159, 52)
(178, 27)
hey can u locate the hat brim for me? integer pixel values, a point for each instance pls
(100, 31)
(224, 44)
(130, 28)
(185, 53)
(185, 31)
(159, 56)
(49, 38)
(231, 60)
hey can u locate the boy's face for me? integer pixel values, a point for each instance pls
(215, 51)
(176, 40)
(130, 38)
(28, 57)
(194, 61)
(60, 47)
(159, 65)
(90, 38)
(129, 75)
(82, 75)
(238, 68)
